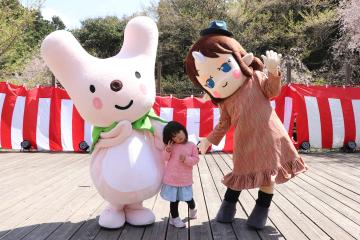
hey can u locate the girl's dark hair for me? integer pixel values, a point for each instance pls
(212, 44)
(171, 129)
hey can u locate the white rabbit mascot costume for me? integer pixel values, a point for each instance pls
(116, 95)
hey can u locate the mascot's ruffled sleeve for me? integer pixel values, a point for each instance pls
(270, 85)
(221, 128)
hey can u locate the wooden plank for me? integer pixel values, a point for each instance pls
(9, 161)
(108, 234)
(343, 168)
(65, 191)
(31, 194)
(91, 228)
(34, 173)
(200, 227)
(323, 192)
(239, 225)
(174, 233)
(159, 228)
(38, 164)
(18, 170)
(42, 209)
(331, 186)
(30, 184)
(213, 202)
(136, 232)
(344, 180)
(329, 211)
(71, 225)
(56, 217)
(308, 227)
(321, 220)
(271, 231)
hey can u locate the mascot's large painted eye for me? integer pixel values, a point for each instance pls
(210, 83)
(225, 67)
(92, 88)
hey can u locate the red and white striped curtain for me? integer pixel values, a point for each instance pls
(327, 117)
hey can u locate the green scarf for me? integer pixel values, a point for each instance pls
(142, 123)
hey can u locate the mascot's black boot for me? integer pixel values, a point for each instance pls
(259, 214)
(226, 212)
(258, 217)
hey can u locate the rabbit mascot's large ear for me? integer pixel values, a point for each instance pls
(116, 95)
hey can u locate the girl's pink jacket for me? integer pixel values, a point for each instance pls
(179, 173)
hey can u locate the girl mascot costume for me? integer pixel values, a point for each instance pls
(116, 95)
(263, 152)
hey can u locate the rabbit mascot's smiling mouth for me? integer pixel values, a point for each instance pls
(126, 166)
(126, 107)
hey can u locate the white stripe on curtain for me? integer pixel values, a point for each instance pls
(43, 123)
(17, 123)
(287, 113)
(193, 124)
(314, 124)
(337, 119)
(356, 109)
(66, 125)
(273, 104)
(167, 113)
(2, 99)
(88, 133)
(221, 145)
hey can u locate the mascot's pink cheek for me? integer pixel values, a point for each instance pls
(216, 94)
(236, 74)
(143, 89)
(97, 103)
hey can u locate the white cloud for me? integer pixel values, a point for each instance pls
(48, 13)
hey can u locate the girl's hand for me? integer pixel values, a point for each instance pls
(168, 147)
(182, 157)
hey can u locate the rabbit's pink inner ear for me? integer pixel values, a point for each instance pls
(140, 38)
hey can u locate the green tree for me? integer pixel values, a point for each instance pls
(101, 37)
(309, 26)
(179, 23)
(21, 31)
(304, 29)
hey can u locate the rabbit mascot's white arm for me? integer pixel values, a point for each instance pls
(116, 95)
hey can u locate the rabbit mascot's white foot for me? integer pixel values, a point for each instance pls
(116, 95)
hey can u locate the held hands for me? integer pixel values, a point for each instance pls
(272, 61)
(203, 145)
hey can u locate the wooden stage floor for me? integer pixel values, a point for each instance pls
(50, 196)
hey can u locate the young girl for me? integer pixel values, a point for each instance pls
(181, 156)
(263, 151)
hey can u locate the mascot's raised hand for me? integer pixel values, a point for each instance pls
(272, 62)
(116, 95)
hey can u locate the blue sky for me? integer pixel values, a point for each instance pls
(73, 11)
